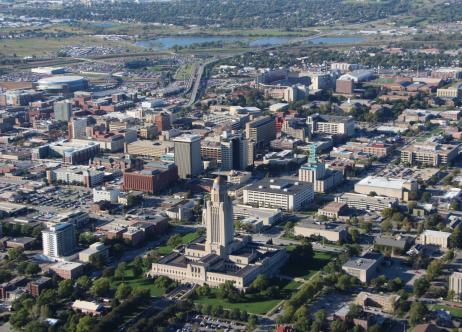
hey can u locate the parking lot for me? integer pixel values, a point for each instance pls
(57, 197)
(207, 323)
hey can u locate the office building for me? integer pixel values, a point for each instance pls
(331, 124)
(282, 194)
(67, 270)
(219, 257)
(188, 155)
(366, 202)
(63, 110)
(162, 121)
(59, 240)
(261, 130)
(455, 285)
(384, 186)
(153, 179)
(429, 153)
(236, 152)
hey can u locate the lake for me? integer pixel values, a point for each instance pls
(167, 42)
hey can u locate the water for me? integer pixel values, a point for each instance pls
(168, 42)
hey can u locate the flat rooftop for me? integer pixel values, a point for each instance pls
(382, 182)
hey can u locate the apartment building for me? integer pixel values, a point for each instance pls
(59, 240)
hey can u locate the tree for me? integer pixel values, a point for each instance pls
(137, 266)
(119, 272)
(98, 260)
(32, 269)
(227, 291)
(420, 286)
(86, 324)
(203, 290)
(252, 323)
(417, 313)
(83, 282)
(87, 238)
(337, 326)
(260, 283)
(123, 291)
(175, 240)
(434, 269)
(65, 288)
(163, 282)
(101, 287)
(343, 282)
(456, 237)
(386, 226)
(354, 311)
(354, 234)
(36, 326)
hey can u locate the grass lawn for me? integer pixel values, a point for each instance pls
(184, 72)
(305, 271)
(253, 303)
(456, 312)
(139, 283)
(165, 250)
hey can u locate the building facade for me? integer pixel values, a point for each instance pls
(59, 240)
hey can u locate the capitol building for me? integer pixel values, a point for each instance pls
(220, 256)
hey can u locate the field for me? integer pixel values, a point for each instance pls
(184, 72)
(305, 271)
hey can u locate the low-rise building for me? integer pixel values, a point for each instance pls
(333, 210)
(384, 186)
(83, 176)
(364, 268)
(436, 238)
(455, 285)
(67, 270)
(87, 307)
(367, 203)
(86, 255)
(154, 178)
(398, 244)
(385, 303)
(429, 153)
(35, 287)
(331, 231)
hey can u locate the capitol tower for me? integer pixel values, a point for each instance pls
(219, 220)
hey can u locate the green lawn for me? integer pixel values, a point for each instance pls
(139, 283)
(456, 312)
(253, 303)
(165, 250)
(305, 271)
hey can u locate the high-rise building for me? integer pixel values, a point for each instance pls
(77, 128)
(261, 130)
(236, 152)
(59, 240)
(188, 155)
(219, 220)
(62, 110)
(162, 121)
